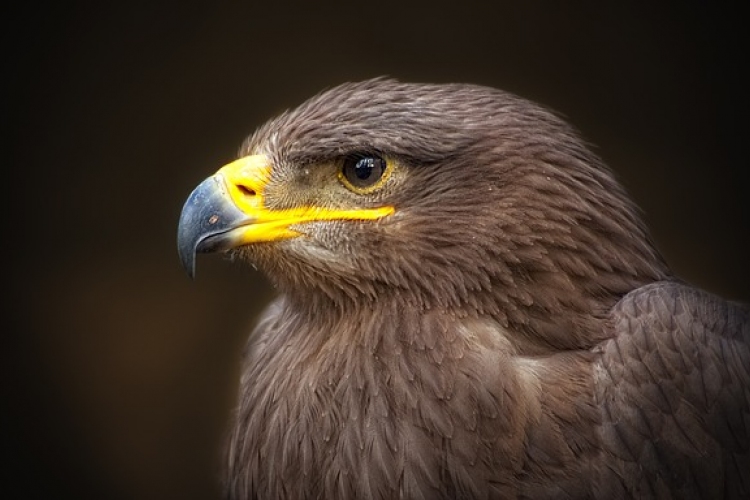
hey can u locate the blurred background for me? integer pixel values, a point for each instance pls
(118, 372)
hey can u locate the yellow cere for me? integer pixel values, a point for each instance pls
(245, 180)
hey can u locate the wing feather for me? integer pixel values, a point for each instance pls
(673, 384)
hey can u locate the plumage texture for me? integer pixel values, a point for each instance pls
(510, 332)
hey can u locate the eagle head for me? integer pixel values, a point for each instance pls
(455, 196)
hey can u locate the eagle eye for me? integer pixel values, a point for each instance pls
(364, 173)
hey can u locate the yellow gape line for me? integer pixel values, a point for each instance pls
(245, 181)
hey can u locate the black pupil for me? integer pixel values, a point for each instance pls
(364, 168)
(364, 171)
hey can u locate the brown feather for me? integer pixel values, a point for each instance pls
(674, 385)
(511, 332)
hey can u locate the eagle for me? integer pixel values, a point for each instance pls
(469, 306)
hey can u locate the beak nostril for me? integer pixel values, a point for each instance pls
(246, 190)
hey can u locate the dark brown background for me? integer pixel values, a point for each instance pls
(119, 372)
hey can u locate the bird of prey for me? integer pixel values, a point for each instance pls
(469, 307)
